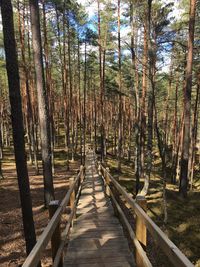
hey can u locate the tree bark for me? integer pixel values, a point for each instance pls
(17, 123)
(187, 104)
(1, 155)
(151, 70)
(119, 88)
(43, 110)
(101, 82)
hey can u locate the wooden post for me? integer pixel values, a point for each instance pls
(141, 232)
(56, 237)
(72, 197)
(99, 168)
(107, 182)
(82, 173)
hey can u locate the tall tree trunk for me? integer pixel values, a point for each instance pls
(194, 136)
(28, 95)
(48, 82)
(1, 154)
(43, 110)
(144, 92)
(101, 82)
(175, 135)
(137, 105)
(70, 84)
(152, 61)
(119, 88)
(162, 151)
(84, 104)
(80, 102)
(17, 123)
(187, 104)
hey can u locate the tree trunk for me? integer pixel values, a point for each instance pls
(138, 130)
(1, 155)
(17, 123)
(187, 104)
(144, 92)
(101, 82)
(48, 82)
(30, 122)
(194, 137)
(44, 119)
(152, 61)
(119, 88)
(84, 104)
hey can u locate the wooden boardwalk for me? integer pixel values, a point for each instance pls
(97, 238)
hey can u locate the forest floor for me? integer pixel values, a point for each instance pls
(12, 245)
(183, 215)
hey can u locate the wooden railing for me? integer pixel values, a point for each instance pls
(52, 231)
(143, 224)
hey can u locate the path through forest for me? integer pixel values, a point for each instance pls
(97, 238)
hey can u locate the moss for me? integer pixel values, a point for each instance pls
(183, 215)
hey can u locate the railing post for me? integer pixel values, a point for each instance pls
(81, 173)
(82, 170)
(107, 182)
(56, 237)
(141, 231)
(99, 168)
(72, 197)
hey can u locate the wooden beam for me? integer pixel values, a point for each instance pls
(141, 231)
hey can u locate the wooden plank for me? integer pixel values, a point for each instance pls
(116, 264)
(94, 254)
(82, 228)
(141, 231)
(113, 259)
(116, 246)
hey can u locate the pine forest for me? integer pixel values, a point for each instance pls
(107, 89)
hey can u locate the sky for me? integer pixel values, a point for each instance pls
(91, 10)
(91, 6)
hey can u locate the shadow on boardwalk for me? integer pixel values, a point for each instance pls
(97, 238)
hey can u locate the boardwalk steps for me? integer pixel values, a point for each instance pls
(97, 238)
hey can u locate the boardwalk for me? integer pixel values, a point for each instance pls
(97, 238)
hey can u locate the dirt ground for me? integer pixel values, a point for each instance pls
(12, 245)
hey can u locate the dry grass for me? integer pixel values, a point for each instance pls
(183, 215)
(12, 245)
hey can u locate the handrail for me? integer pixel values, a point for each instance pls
(169, 248)
(66, 231)
(34, 257)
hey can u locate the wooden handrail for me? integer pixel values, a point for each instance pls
(66, 230)
(177, 258)
(35, 255)
(144, 259)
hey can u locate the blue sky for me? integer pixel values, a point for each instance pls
(91, 10)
